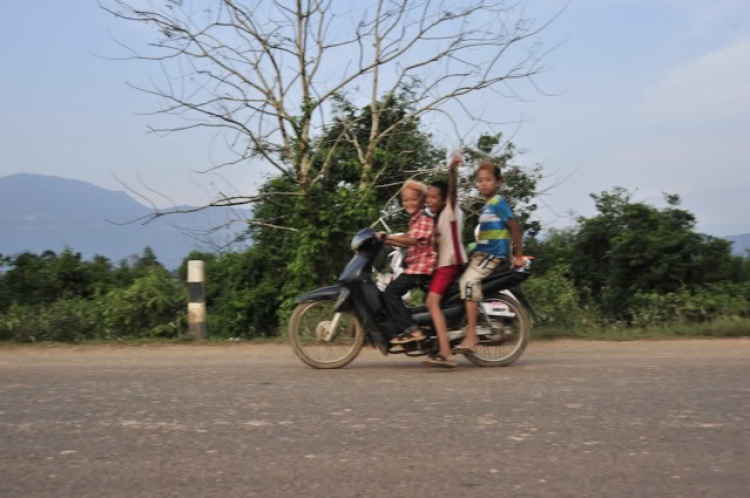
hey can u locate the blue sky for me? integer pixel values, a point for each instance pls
(651, 95)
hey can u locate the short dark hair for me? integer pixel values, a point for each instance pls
(442, 186)
(492, 168)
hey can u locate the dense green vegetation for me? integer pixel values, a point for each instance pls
(624, 272)
(628, 269)
(51, 297)
(633, 267)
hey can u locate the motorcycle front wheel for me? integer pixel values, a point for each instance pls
(508, 335)
(322, 338)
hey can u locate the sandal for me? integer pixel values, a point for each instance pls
(439, 361)
(407, 337)
(462, 350)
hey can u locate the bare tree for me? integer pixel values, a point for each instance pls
(267, 72)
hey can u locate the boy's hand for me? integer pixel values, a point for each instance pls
(456, 159)
(517, 262)
(381, 235)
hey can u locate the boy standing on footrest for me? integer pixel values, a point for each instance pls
(497, 226)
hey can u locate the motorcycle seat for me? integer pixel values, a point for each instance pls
(500, 273)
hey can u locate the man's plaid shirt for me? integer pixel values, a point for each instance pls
(421, 258)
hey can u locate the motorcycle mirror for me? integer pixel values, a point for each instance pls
(385, 214)
(387, 228)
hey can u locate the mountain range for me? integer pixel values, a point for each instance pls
(38, 213)
(740, 243)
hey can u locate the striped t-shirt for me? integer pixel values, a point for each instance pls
(493, 228)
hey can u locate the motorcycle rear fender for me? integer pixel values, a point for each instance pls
(505, 280)
(521, 297)
(495, 282)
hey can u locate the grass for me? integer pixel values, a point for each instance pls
(145, 342)
(725, 327)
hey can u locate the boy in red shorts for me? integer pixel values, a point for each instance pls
(443, 198)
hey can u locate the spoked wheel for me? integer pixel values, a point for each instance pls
(325, 339)
(507, 335)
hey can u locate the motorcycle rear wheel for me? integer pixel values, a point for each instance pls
(307, 327)
(511, 336)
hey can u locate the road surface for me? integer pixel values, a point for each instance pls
(569, 419)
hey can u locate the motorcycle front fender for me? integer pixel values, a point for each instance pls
(330, 293)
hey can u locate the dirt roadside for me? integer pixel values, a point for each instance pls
(104, 353)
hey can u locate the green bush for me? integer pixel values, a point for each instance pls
(153, 306)
(18, 323)
(69, 320)
(556, 298)
(698, 305)
(719, 309)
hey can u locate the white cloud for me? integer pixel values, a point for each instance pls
(685, 133)
(705, 18)
(714, 86)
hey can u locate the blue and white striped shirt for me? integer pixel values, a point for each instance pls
(493, 228)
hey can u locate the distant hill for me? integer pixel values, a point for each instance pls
(46, 212)
(740, 243)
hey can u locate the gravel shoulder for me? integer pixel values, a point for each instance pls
(91, 354)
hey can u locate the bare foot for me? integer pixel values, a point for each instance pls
(466, 345)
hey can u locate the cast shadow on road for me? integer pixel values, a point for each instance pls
(415, 366)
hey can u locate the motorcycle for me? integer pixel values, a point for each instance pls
(329, 326)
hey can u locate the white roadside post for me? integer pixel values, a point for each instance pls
(196, 300)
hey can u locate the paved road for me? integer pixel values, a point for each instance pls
(570, 419)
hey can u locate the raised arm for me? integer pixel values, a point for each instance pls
(453, 179)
